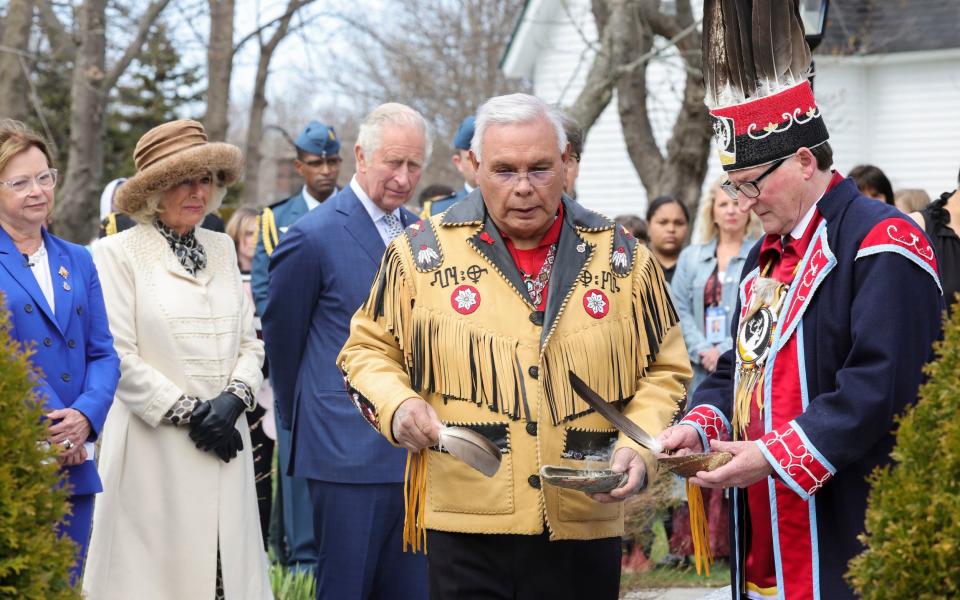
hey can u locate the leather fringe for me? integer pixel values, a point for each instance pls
(612, 358)
(392, 303)
(458, 360)
(415, 502)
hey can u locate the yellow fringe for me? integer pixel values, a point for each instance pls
(268, 227)
(486, 370)
(391, 302)
(613, 357)
(699, 528)
(415, 502)
(449, 356)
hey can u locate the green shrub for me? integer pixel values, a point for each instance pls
(912, 527)
(34, 563)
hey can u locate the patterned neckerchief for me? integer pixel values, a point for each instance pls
(185, 247)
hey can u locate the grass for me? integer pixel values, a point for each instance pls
(668, 577)
(291, 585)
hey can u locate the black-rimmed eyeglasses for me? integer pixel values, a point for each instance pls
(750, 189)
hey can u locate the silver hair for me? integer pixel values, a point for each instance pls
(151, 210)
(516, 108)
(392, 113)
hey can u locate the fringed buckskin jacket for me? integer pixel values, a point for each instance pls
(449, 320)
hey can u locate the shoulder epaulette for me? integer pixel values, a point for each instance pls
(268, 230)
(623, 251)
(278, 203)
(424, 246)
(901, 236)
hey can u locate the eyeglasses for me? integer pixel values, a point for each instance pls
(512, 178)
(45, 179)
(750, 189)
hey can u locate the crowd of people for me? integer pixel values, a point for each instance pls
(345, 329)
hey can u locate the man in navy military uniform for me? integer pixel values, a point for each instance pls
(318, 162)
(461, 160)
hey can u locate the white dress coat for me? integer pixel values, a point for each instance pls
(165, 503)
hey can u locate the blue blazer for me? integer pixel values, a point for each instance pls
(285, 214)
(73, 347)
(695, 265)
(320, 274)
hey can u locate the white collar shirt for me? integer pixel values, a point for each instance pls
(376, 213)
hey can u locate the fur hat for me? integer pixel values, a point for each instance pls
(171, 153)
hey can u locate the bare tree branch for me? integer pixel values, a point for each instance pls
(61, 41)
(133, 49)
(291, 9)
(628, 30)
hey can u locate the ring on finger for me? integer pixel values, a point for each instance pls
(67, 444)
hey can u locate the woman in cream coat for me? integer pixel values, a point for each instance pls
(178, 516)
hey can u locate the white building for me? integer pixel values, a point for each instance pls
(888, 83)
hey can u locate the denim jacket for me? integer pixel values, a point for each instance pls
(694, 267)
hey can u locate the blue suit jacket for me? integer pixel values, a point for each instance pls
(74, 348)
(320, 274)
(285, 214)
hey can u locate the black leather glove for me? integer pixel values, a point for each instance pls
(213, 420)
(228, 447)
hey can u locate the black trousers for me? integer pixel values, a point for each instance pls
(467, 566)
(262, 468)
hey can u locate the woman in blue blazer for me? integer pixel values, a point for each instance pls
(705, 283)
(52, 291)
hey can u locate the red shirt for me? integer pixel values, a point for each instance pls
(529, 262)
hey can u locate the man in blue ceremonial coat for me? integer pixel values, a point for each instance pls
(320, 274)
(461, 160)
(318, 162)
(839, 305)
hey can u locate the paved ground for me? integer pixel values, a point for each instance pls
(681, 594)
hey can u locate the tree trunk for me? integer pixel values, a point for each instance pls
(13, 81)
(251, 191)
(219, 69)
(626, 29)
(76, 217)
(613, 18)
(76, 214)
(251, 184)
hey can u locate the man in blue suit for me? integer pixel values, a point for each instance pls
(318, 162)
(461, 160)
(319, 275)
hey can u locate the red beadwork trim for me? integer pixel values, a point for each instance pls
(903, 234)
(762, 112)
(794, 461)
(710, 421)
